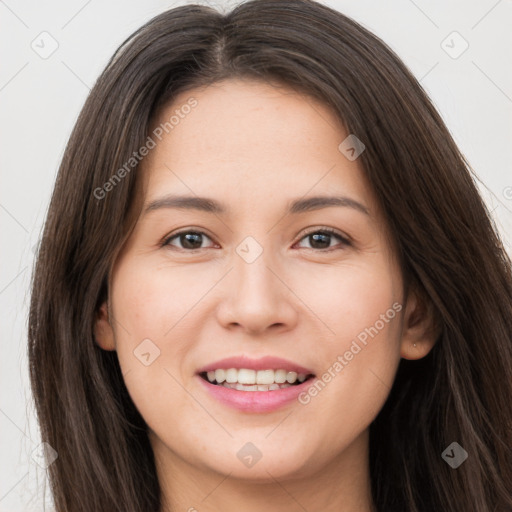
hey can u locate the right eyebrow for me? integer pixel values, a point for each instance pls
(186, 202)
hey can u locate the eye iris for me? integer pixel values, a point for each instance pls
(189, 240)
(317, 237)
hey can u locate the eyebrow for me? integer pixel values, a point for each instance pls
(209, 205)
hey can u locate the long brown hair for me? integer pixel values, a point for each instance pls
(445, 238)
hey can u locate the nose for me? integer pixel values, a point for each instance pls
(256, 298)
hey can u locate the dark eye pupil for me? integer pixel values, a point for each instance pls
(321, 238)
(187, 240)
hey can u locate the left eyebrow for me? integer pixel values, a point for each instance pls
(318, 202)
(209, 205)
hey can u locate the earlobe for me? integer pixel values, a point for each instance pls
(420, 332)
(103, 332)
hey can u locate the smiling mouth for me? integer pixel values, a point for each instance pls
(255, 380)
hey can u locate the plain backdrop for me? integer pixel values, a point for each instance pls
(41, 96)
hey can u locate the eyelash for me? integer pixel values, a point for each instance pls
(345, 242)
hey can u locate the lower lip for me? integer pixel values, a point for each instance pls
(256, 401)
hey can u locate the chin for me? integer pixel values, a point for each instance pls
(262, 465)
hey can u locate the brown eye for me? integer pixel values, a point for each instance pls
(321, 239)
(188, 240)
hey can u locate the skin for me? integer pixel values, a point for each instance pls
(256, 147)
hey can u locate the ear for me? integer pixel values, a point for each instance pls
(420, 330)
(103, 333)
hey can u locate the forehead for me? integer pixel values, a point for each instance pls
(245, 139)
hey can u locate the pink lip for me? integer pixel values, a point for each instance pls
(264, 363)
(255, 401)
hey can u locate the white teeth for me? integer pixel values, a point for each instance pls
(241, 387)
(255, 387)
(280, 376)
(246, 376)
(265, 377)
(291, 377)
(220, 376)
(255, 380)
(231, 375)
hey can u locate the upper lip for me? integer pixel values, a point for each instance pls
(264, 363)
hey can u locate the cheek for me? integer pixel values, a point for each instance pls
(350, 299)
(361, 349)
(151, 300)
(153, 333)
(150, 306)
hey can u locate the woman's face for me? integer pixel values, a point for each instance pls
(257, 276)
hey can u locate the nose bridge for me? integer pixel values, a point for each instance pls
(252, 274)
(256, 298)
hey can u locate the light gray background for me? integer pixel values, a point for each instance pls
(41, 98)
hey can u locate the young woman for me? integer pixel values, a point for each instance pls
(267, 281)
